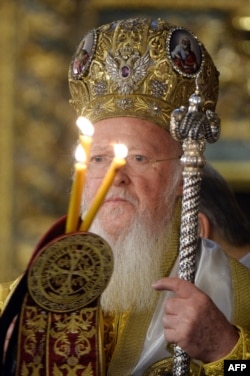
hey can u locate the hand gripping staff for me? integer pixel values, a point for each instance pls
(193, 127)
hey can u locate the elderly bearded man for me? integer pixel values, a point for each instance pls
(128, 88)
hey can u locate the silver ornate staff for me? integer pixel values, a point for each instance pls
(193, 127)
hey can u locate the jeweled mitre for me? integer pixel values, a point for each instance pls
(140, 68)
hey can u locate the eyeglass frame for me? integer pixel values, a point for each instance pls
(152, 162)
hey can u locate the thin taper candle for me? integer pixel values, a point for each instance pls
(87, 129)
(76, 195)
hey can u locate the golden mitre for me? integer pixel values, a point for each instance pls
(140, 68)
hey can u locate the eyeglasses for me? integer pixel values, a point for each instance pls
(137, 163)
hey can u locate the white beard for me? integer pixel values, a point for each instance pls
(134, 269)
(138, 255)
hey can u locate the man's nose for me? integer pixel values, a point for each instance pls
(121, 177)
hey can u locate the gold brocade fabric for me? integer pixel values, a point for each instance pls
(130, 328)
(113, 324)
(59, 324)
(54, 344)
(240, 351)
(241, 288)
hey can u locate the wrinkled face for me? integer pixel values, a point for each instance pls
(140, 186)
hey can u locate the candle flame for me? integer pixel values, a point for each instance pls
(85, 126)
(80, 154)
(120, 150)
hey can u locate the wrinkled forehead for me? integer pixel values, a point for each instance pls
(137, 134)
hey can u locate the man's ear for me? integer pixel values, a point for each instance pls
(204, 226)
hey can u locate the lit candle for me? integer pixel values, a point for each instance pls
(87, 129)
(118, 161)
(76, 191)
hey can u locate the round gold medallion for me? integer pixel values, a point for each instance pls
(71, 272)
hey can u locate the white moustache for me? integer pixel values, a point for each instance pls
(121, 195)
